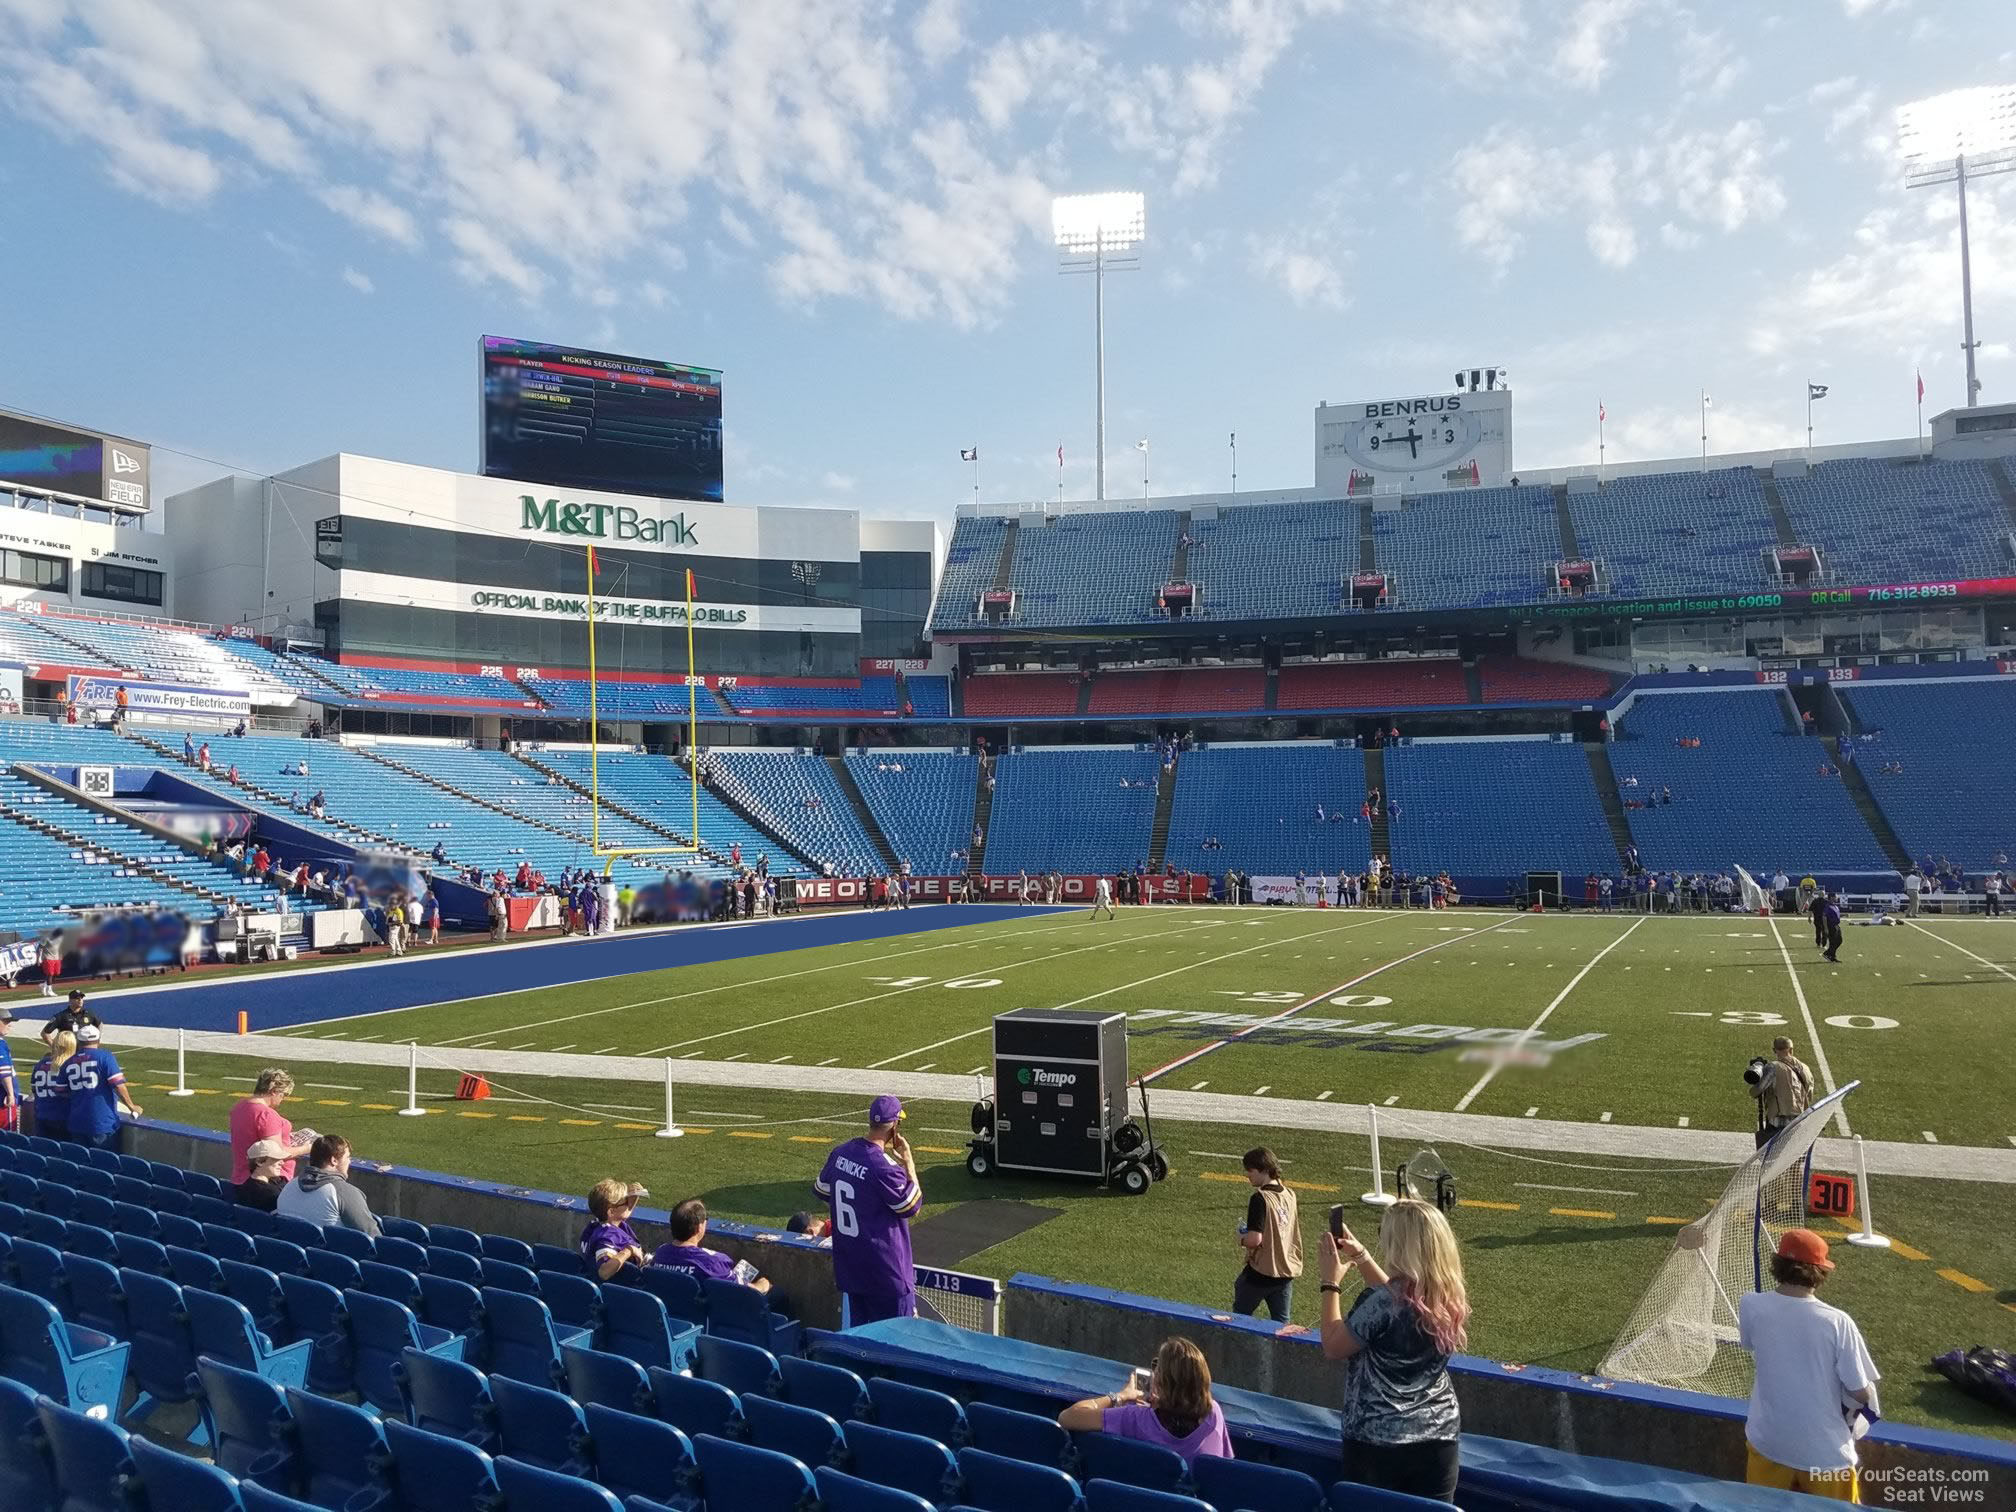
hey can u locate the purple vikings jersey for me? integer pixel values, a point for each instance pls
(872, 1200)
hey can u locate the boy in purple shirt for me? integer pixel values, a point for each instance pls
(608, 1243)
(689, 1227)
(870, 1184)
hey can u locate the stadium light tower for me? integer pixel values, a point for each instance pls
(1098, 234)
(1948, 139)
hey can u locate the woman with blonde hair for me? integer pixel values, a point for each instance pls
(1400, 1419)
(1176, 1412)
(52, 1091)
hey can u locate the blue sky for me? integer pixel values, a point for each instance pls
(261, 233)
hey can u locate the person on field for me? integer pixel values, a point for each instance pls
(1270, 1242)
(1815, 1383)
(1102, 898)
(1784, 1091)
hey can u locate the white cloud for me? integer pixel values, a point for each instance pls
(1585, 53)
(838, 482)
(1509, 181)
(1302, 267)
(938, 33)
(373, 211)
(359, 281)
(1641, 435)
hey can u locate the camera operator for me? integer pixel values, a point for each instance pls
(1782, 1086)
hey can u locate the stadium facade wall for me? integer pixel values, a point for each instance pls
(96, 565)
(1553, 1409)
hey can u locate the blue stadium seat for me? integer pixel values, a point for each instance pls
(540, 1426)
(256, 1288)
(744, 1314)
(595, 1375)
(248, 1424)
(907, 1461)
(575, 1301)
(297, 1231)
(1350, 1496)
(1131, 1462)
(195, 1268)
(381, 1332)
(454, 1305)
(168, 1480)
(27, 1479)
(637, 1455)
(447, 1236)
(227, 1243)
(694, 1406)
(355, 1243)
(406, 1228)
(435, 1474)
(997, 1484)
(522, 1339)
(743, 1368)
(511, 1251)
(637, 1323)
(164, 1343)
(136, 1253)
(447, 1396)
(223, 1329)
(554, 1257)
(454, 1264)
(751, 1479)
(334, 1270)
(673, 1285)
(1024, 1436)
(1119, 1496)
(258, 1499)
(97, 1297)
(281, 1256)
(1254, 1487)
(917, 1409)
(90, 1459)
(529, 1485)
(509, 1275)
(315, 1312)
(804, 1433)
(831, 1389)
(840, 1492)
(341, 1449)
(393, 1283)
(404, 1253)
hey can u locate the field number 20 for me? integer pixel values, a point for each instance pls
(925, 981)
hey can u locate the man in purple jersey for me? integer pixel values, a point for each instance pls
(871, 1186)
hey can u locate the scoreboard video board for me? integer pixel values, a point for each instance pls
(596, 420)
(37, 455)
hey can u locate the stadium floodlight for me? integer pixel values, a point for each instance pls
(1097, 234)
(1948, 139)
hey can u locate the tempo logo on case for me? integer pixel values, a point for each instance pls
(1036, 1076)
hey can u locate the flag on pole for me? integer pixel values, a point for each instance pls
(1142, 444)
(1816, 391)
(1921, 388)
(591, 561)
(689, 582)
(969, 454)
(1706, 402)
(1602, 414)
(1060, 455)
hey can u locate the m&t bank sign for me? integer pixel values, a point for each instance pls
(604, 522)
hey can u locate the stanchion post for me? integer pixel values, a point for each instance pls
(671, 1129)
(1868, 1238)
(413, 1108)
(181, 1065)
(1378, 1196)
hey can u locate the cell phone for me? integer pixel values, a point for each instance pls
(1141, 1379)
(1337, 1222)
(1242, 1231)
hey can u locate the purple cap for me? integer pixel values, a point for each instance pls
(884, 1110)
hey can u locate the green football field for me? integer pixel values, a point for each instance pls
(1595, 1018)
(1640, 1024)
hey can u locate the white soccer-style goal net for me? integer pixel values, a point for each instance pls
(1683, 1331)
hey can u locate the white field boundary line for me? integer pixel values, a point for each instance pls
(1311, 1001)
(1491, 1071)
(648, 931)
(1812, 1029)
(938, 943)
(1991, 965)
(1693, 1146)
(1229, 955)
(876, 997)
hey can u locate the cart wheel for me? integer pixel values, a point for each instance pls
(983, 1117)
(1157, 1166)
(1128, 1138)
(1134, 1180)
(980, 1163)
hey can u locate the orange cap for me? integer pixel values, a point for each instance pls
(1804, 1245)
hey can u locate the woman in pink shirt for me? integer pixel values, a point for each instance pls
(258, 1117)
(1175, 1413)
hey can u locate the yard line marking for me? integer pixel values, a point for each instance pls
(777, 1062)
(826, 1062)
(925, 1067)
(1539, 1186)
(1495, 1207)
(1261, 1090)
(1928, 1136)
(738, 1055)
(895, 992)
(583, 1123)
(1676, 1222)
(1389, 1101)
(1289, 1012)
(1159, 976)
(1491, 1071)
(1604, 1118)
(526, 1046)
(558, 1048)
(690, 1054)
(676, 997)
(1683, 1120)
(750, 1134)
(1326, 1096)
(1530, 1113)
(1812, 1029)
(1580, 1213)
(1961, 948)
(1899, 1247)
(1200, 1087)
(1962, 1280)
(605, 1050)
(808, 1139)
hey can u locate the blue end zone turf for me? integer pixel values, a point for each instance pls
(288, 999)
